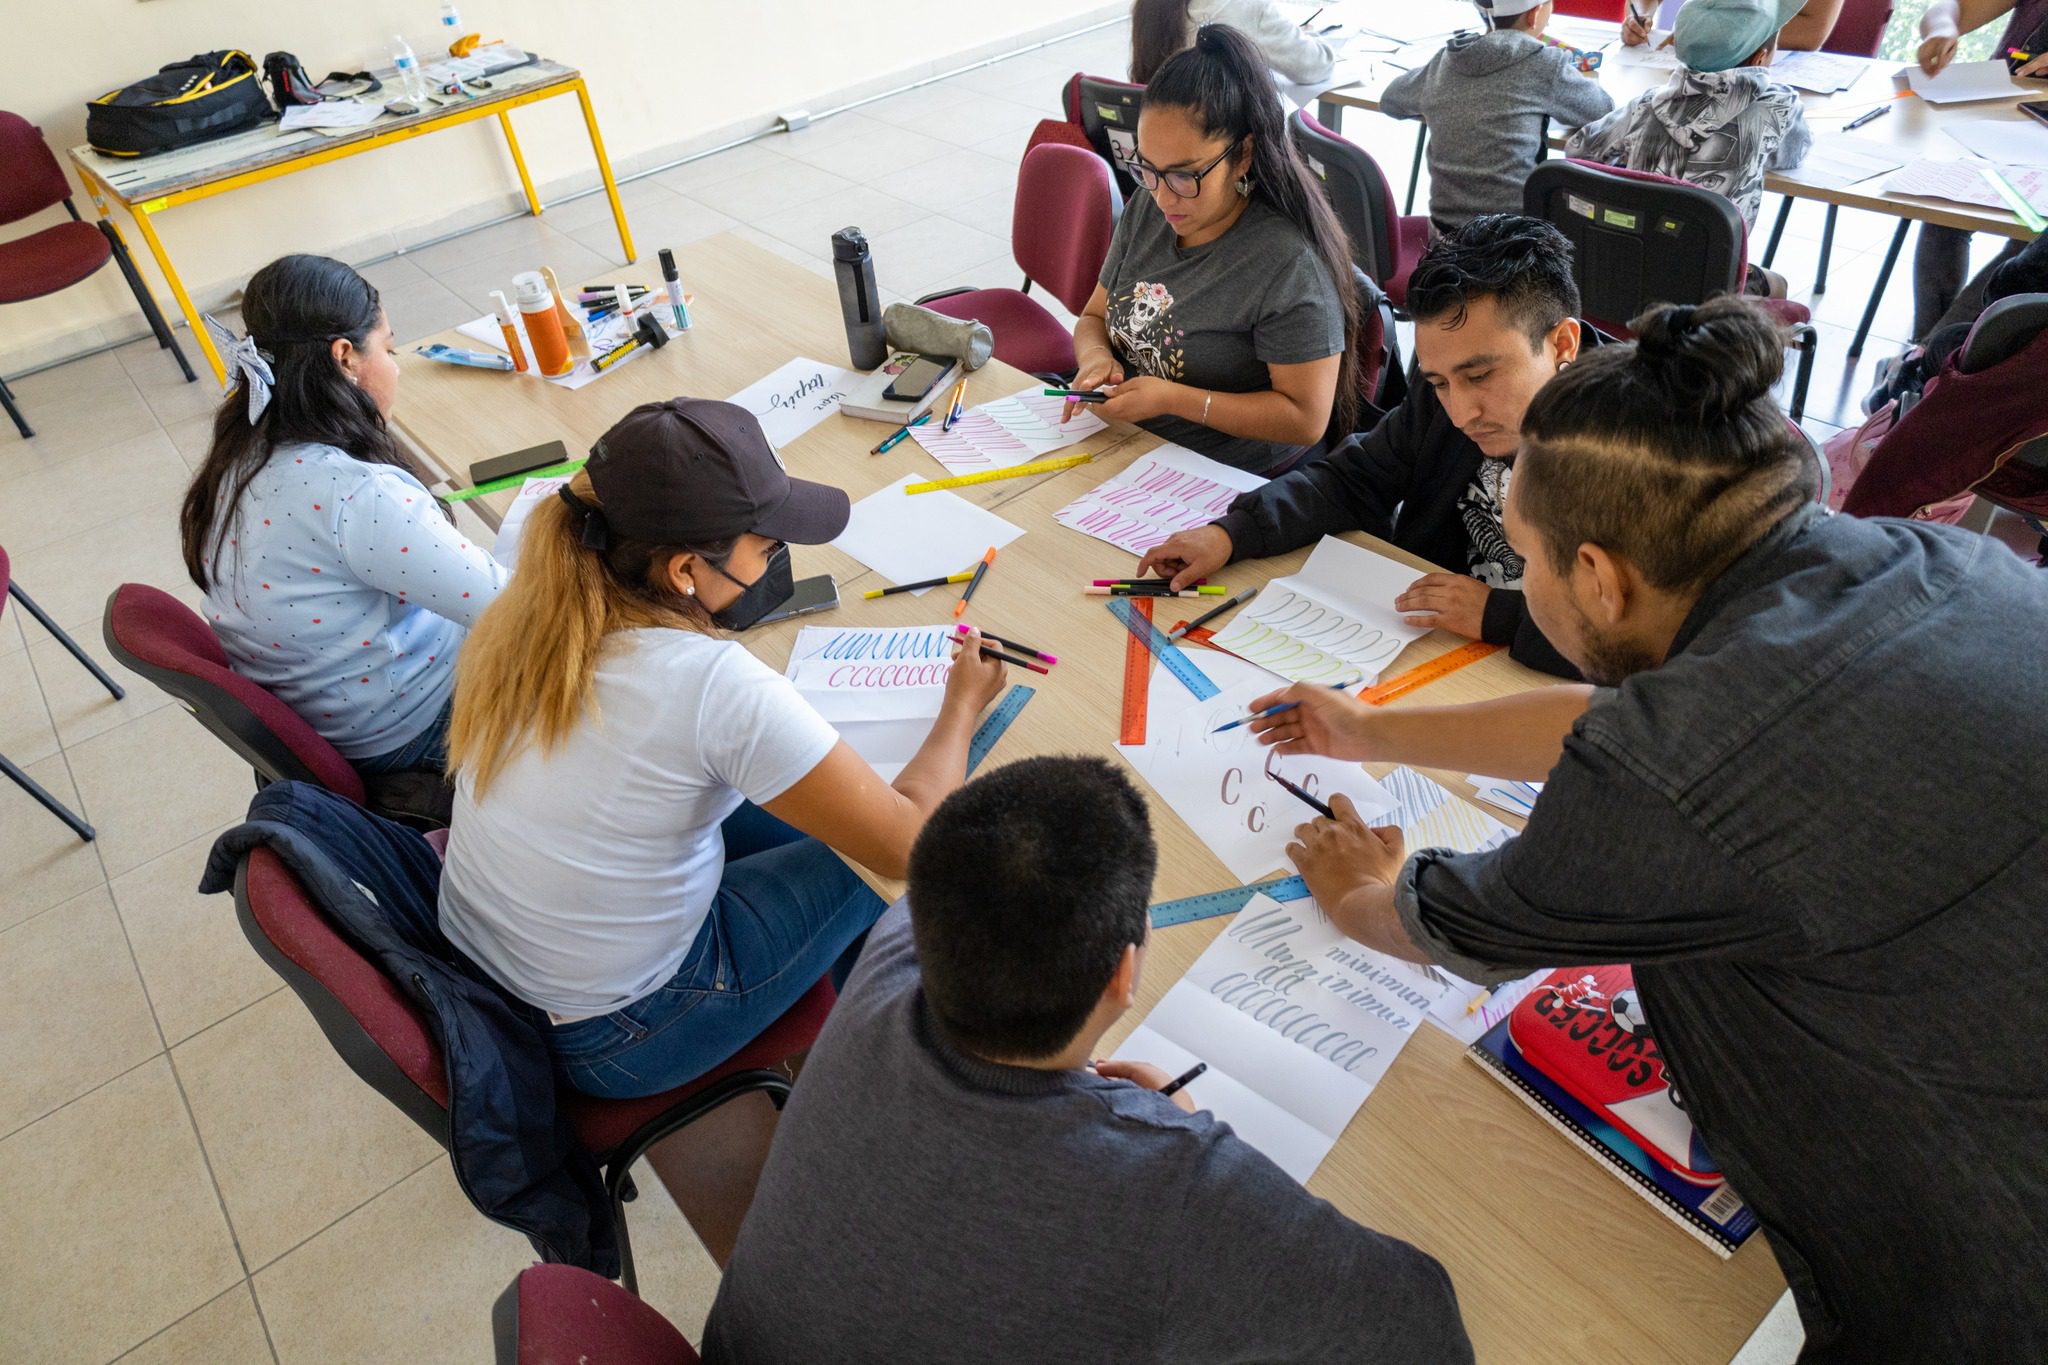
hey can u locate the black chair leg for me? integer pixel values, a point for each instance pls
(28, 605)
(1777, 232)
(1884, 275)
(20, 423)
(164, 339)
(1827, 249)
(1807, 341)
(50, 803)
(1415, 167)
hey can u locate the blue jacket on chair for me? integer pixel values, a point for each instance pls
(513, 1151)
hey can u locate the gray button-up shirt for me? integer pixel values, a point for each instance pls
(1817, 833)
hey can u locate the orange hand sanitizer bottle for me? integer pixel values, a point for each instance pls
(543, 325)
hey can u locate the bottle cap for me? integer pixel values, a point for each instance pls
(532, 292)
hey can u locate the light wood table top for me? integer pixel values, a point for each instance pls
(1913, 131)
(1550, 1254)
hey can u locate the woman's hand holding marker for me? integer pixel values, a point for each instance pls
(1098, 369)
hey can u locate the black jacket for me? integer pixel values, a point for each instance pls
(513, 1151)
(1401, 481)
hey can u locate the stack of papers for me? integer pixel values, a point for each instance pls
(329, 114)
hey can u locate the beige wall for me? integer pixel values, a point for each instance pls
(666, 78)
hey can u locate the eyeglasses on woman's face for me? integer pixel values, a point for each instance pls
(1181, 184)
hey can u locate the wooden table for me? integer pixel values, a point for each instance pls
(1551, 1256)
(146, 186)
(1912, 131)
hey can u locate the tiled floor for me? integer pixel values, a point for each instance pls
(188, 1171)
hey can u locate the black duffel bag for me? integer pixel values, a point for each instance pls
(203, 97)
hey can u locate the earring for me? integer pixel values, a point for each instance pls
(690, 591)
(1244, 187)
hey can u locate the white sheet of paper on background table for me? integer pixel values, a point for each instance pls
(879, 686)
(931, 535)
(1964, 183)
(1163, 491)
(1287, 1079)
(1964, 82)
(1008, 431)
(1332, 620)
(795, 397)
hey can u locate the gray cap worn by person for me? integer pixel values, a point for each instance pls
(1719, 35)
(694, 471)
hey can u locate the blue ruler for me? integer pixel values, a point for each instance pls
(1176, 660)
(1210, 904)
(991, 730)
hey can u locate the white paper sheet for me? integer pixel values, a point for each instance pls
(1964, 182)
(1217, 783)
(1333, 620)
(1652, 54)
(1506, 793)
(1821, 72)
(329, 114)
(796, 397)
(2018, 141)
(1962, 82)
(1006, 432)
(1170, 489)
(1296, 1022)
(1838, 160)
(880, 687)
(906, 539)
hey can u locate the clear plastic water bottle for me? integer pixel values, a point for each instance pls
(410, 81)
(451, 25)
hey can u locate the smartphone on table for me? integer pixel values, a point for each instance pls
(918, 378)
(812, 594)
(518, 462)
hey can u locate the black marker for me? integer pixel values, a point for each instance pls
(1181, 1080)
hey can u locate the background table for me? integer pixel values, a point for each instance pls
(146, 186)
(1552, 1257)
(1912, 131)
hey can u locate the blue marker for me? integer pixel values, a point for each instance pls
(1276, 710)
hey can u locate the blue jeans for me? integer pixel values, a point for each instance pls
(427, 753)
(787, 911)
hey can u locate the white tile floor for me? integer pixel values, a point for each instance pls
(188, 1172)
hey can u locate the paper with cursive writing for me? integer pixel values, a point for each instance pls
(879, 686)
(1162, 491)
(1333, 620)
(1297, 1023)
(1009, 431)
(795, 398)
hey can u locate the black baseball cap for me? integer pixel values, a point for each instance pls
(694, 471)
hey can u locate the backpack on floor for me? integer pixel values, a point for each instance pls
(203, 97)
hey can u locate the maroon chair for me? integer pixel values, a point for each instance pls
(62, 255)
(563, 1315)
(1066, 209)
(10, 588)
(1385, 244)
(1639, 238)
(1858, 32)
(389, 1042)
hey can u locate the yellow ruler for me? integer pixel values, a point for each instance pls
(1020, 471)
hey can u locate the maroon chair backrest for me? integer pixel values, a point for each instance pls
(161, 638)
(1610, 10)
(378, 1031)
(1065, 213)
(4, 580)
(1358, 194)
(563, 1315)
(1859, 30)
(30, 178)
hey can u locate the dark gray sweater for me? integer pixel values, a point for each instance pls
(923, 1205)
(1486, 97)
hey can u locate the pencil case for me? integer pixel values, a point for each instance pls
(911, 328)
(476, 360)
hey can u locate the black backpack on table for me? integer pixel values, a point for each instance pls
(203, 97)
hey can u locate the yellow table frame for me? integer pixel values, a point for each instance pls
(500, 108)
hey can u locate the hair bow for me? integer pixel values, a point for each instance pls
(596, 530)
(242, 355)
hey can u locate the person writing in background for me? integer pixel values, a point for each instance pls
(1817, 850)
(1495, 307)
(1162, 28)
(1806, 31)
(1227, 316)
(1941, 256)
(650, 822)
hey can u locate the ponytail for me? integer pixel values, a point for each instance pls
(1226, 87)
(1159, 29)
(526, 673)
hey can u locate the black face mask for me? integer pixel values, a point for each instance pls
(775, 586)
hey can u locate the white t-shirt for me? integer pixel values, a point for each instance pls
(581, 879)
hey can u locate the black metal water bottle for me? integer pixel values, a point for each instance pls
(858, 300)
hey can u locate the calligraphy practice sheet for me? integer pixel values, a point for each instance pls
(1218, 784)
(1331, 622)
(1170, 489)
(907, 540)
(1296, 1022)
(1009, 431)
(795, 398)
(880, 687)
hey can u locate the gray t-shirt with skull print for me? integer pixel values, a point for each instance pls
(1215, 316)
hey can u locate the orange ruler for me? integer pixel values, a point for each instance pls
(1137, 680)
(1422, 675)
